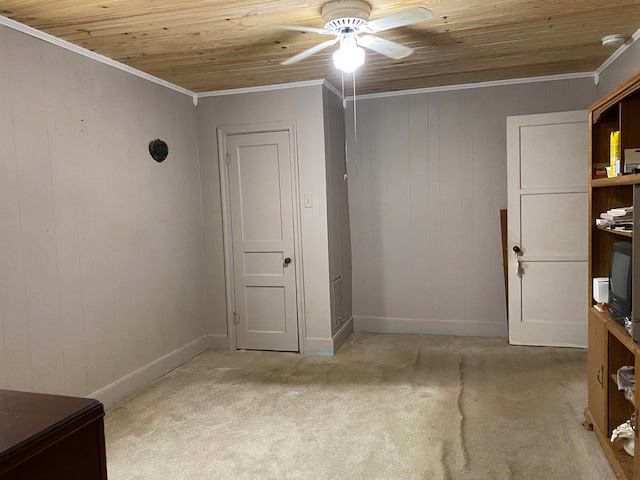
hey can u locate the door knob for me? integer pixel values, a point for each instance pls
(287, 261)
(516, 252)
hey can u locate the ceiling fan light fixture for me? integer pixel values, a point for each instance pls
(348, 57)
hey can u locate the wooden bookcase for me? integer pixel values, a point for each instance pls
(610, 346)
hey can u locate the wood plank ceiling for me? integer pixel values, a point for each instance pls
(210, 45)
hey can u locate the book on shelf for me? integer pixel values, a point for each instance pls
(620, 214)
(616, 218)
(621, 210)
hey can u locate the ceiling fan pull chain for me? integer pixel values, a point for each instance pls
(344, 98)
(355, 115)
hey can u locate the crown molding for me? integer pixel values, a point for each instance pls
(281, 86)
(21, 27)
(621, 49)
(267, 88)
(333, 89)
(466, 86)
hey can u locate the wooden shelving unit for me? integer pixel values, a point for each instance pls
(615, 181)
(610, 345)
(622, 233)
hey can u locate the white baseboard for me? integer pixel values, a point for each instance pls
(341, 336)
(441, 327)
(328, 346)
(218, 341)
(318, 346)
(122, 388)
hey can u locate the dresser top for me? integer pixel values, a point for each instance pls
(26, 417)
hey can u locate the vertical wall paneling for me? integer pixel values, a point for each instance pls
(101, 280)
(304, 106)
(378, 199)
(468, 210)
(359, 195)
(65, 203)
(483, 221)
(451, 206)
(418, 128)
(16, 367)
(434, 206)
(425, 223)
(38, 221)
(337, 206)
(398, 241)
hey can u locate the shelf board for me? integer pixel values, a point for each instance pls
(623, 233)
(615, 181)
(618, 331)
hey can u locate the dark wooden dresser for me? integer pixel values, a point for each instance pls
(50, 437)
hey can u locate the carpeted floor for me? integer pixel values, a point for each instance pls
(385, 407)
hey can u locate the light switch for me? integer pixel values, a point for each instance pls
(308, 200)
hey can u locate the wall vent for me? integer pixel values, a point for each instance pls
(338, 302)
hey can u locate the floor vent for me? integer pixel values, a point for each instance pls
(338, 302)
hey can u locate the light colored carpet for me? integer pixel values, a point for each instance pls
(385, 407)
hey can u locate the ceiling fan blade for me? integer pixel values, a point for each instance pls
(302, 28)
(400, 19)
(385, 47)
(309, 52)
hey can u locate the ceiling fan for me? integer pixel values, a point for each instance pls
(348, 21)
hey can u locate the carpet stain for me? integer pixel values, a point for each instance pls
(461, 411)
(470, 409)
(418, 355)
(444, 461)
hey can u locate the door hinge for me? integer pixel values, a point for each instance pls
(227, 159)
(236, 318)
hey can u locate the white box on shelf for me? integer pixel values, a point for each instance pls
(601, 289)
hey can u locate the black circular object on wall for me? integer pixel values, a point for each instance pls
(158, 150)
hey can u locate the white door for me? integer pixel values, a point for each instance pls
(260, 191)
(547, 163)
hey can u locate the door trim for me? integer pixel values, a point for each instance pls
(222, 134)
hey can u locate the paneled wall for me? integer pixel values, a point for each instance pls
(101, 248)
(337, 204)
(304, 106)
(427, 180)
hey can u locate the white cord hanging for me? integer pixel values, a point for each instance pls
(355, 114)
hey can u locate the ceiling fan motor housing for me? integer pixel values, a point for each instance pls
(343, 14)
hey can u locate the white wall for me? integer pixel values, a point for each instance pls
(427, 180)
(101, 277)
(338, 208)
(304, 106)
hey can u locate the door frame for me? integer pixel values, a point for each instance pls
(225, 197)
